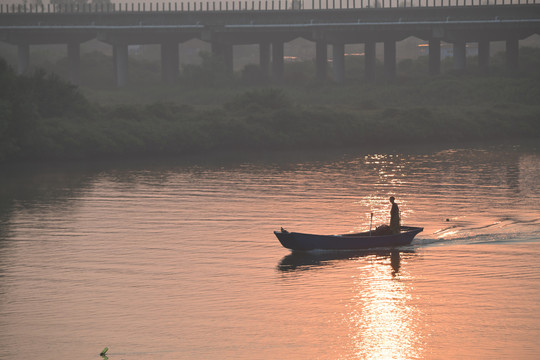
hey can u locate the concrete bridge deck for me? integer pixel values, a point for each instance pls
(270, 29)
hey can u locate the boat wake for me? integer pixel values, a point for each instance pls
(503, 230)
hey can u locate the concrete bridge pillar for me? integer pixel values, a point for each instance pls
(370, 60)
(224, 51)
(277, 60)
(264, 58)
(120, 55)
(169, 62)
(74, 61)
(24, 58)
(390, 59)
(483, 55)
(321, 59)
(460, 55)
(338, 61)
(512, 54)
(434, 57)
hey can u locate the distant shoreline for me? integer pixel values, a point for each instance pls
(43, 118)
(211, 136)
(139, 132)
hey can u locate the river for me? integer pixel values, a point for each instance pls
(176, 259)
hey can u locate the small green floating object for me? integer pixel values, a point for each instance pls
(104, 351)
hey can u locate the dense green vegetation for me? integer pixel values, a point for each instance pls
(44, 117)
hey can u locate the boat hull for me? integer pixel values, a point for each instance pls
(305, 242)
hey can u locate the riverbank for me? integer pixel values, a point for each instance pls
(164, 129)
(44, 118)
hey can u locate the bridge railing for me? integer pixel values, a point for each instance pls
(248, 5)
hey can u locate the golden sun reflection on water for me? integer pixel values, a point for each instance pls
(382, 319)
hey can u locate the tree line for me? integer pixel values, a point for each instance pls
(43, 117)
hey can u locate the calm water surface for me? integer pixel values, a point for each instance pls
(178, 261)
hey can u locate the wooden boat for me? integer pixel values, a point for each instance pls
(363, 240)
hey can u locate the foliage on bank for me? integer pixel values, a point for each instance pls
(43, 117)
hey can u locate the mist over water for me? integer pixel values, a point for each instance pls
(177, 260)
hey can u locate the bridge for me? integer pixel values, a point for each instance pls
(270, 24)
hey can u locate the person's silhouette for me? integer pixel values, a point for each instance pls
(395, 221)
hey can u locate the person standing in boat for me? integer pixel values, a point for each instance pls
(395, 221)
